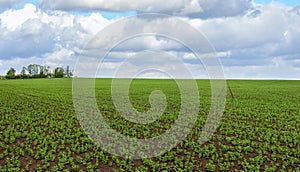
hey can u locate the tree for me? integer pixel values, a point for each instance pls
(34, 70)
(39, 71)
(59, 72)
(30, 70)
(46, 69)
(23, 72)
(68, 72)
(43, 71)
(11, 73)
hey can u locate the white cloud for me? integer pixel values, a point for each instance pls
(191, 8)
(257, 41)
(11, 19)
(31, 32)
(254, 40)
(93, 23)
(245, 31)
(60, 57)
(4, 4)
(282, 70)
(191, 56)
(115, 5)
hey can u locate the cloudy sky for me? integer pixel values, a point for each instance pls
(253, 39)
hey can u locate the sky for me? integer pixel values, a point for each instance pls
(253, 39)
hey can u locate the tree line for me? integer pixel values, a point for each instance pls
(39, 71)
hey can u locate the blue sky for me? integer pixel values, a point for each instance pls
(252, 41)
(108, 15)
(286, 2)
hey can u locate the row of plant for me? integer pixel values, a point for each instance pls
(259, 130)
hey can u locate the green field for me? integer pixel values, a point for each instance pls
(259, 130)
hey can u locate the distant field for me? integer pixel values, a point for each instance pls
(259, 131)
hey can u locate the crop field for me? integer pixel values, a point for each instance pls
(259, 130)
